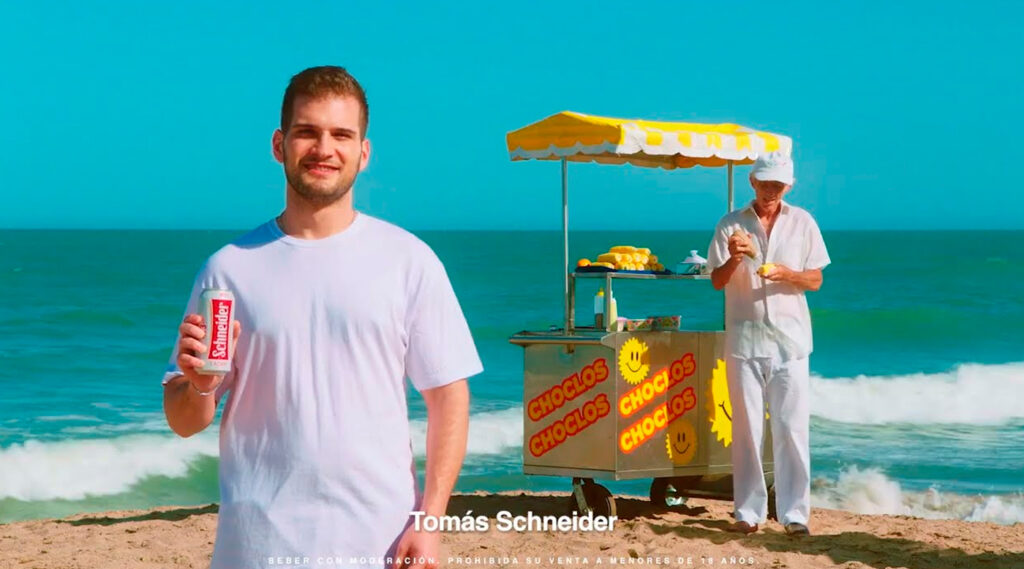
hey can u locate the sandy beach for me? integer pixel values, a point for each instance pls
(644, 535)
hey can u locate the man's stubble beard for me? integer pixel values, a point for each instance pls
(315, 195)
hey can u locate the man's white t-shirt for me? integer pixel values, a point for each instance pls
(315, 454)
(763, 318)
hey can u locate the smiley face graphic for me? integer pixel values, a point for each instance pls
(634, 361)
(681, 442)
(721, 407)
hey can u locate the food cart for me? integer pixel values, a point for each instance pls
(605, 403)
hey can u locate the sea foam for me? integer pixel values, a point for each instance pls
(971, 394)
(74, 469)
(490, 432)
(870, 491)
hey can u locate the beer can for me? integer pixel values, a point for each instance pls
(217, 306)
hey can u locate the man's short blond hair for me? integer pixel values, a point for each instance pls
(324, 81)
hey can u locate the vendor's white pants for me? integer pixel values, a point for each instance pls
(785, 386)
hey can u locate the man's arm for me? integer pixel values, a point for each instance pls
(809, 280)
(187, 411)
(447, 431)
(720, 276)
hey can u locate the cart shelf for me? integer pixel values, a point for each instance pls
(608, 277)
(638, 276)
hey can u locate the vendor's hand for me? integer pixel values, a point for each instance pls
(190, 344)
(741, 244)
(418, 546)
(779, 273)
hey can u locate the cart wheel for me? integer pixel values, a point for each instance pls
(773, 512)
(599, 501)
(665, 493)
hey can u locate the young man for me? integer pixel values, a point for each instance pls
(334, 309)
(768, 341)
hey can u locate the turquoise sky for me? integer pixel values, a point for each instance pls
(159, 114)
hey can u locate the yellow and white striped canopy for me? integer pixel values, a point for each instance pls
(654, 144)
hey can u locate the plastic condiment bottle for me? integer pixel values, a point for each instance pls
(599, 309)
(613, 311)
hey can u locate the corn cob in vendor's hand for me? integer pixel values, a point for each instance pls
(741, 242)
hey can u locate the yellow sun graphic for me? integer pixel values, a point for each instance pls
(681, 442)
(720, 413)
(634, 361)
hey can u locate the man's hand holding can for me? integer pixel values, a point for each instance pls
(206, 346)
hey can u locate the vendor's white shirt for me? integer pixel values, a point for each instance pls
(765, 318)
(315, 454)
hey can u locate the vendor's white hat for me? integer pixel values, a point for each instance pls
(774, 166)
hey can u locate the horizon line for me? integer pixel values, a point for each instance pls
(514, 230)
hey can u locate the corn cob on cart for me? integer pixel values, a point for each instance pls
(604, 404)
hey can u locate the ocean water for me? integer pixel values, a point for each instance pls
(917, 376)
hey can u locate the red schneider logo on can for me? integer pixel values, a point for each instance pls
(219, 342)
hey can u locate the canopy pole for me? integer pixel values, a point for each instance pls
(565, 243)
(730, 185)
(730, 209)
